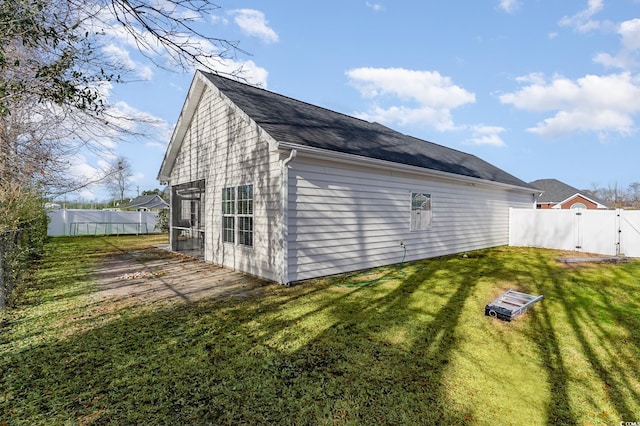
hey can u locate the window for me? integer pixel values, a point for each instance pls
(237, 215)
(228, 215)
(245, 215)
(420, 211)
(578, 206)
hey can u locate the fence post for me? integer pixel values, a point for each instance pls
(618, 231)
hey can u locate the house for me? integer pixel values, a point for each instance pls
(559, 195)
(288, 191)
(145, 203)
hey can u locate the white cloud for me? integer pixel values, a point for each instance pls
(630, 32)
(582, 21)
(136, 177)
(486, 135)
(218, 20)
(103, 20)
(599, 104)
(124, 116)
(80, 170)
(122, 58)
(133, 42)
(621, 60)
(247, 71)
(534, 78)
(190, 15)
(432, 95)
(625, 59)
(253, 23)
(377, 7)
(163, 136)
(509, 6)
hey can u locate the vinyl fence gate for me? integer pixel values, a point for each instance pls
(607, 232)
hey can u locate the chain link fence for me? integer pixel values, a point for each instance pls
(10, 270)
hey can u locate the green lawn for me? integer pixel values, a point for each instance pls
(414, 348)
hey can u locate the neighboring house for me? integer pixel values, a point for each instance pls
(559, 195)
(287, 191)
(145, 203)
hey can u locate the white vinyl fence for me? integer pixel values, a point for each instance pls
(608, 232)
(100, 222)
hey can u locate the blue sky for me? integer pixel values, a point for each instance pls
(540, 88)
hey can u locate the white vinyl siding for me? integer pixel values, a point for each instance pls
(222, 146)
(344, 218)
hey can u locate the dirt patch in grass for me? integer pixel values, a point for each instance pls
(152, 274)
(575, 259)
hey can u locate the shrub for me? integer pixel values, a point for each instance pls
(163, 221)
(23, 231)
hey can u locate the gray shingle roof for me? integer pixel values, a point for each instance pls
(292, 121)
(556, 191)
(146, 201)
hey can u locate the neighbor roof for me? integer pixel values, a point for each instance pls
(146, 201)
(295, 122)
(557, 192)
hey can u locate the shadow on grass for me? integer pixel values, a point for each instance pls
(559, 409)
(400, 374)
(252, 361)
(596, 343)
(580, 298)
(535, 272)
(311, 354)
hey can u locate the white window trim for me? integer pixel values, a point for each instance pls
(245, 215)
(236, 216)
(412, 228)
(231, 215)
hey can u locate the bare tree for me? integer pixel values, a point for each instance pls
(168, 28)
(117, 177)
(634, 194)
(67, 35)
(42, 54)
(53, 70)
(39, 137)
(615, 196)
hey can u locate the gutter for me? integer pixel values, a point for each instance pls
(284, 186)
(321, 153)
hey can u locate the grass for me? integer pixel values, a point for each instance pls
(414, 349)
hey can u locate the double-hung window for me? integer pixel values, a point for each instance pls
(229, 215)
(237, 215)
(420, 211)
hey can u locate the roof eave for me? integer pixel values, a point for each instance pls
(353, 159)
(196, 89)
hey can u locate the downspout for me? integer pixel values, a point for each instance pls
(284, 185)
(172, 246)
